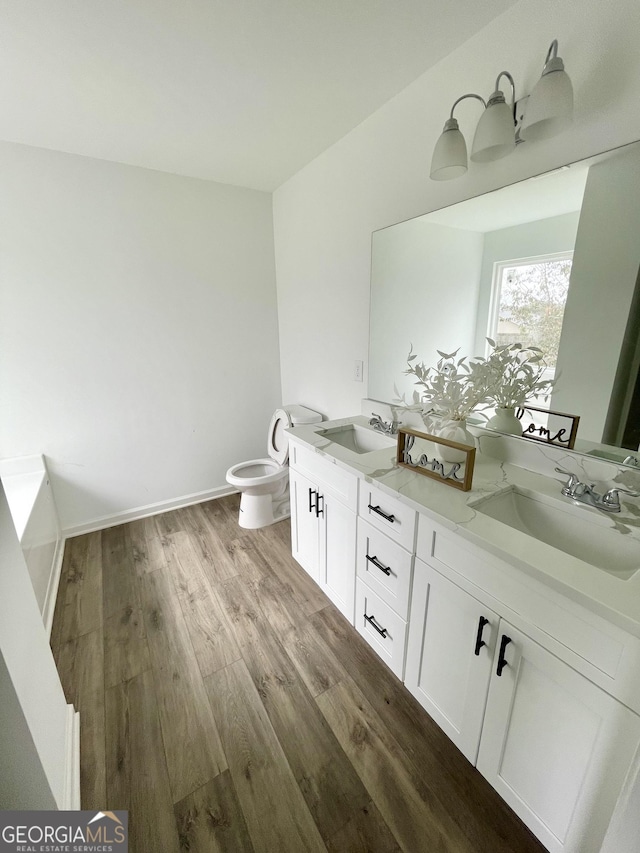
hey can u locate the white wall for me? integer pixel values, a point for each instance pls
(138, 329)
(379, 174)
(424, 291)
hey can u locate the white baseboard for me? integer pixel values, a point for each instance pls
(71, 795)
(145, 511)
(52, 587)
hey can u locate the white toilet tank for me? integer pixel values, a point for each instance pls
(301, 415)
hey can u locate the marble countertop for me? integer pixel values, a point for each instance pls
(611, 597)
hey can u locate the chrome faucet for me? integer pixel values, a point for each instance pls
(632, 460)
(586, 494)
(382, 426)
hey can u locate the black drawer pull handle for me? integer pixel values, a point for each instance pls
(377, 509)
(479, 641)
(376, 562)
(319, 510)
(372, 621)
(502, 661)
(313, 506)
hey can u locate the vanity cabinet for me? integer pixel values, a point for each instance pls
(539, 692)
(554, 745)
(323, 526)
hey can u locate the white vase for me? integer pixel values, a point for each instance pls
(505, 420)
(454, 431)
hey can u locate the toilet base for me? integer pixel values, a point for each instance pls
(262, 510)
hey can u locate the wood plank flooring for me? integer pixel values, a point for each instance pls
(230, 707)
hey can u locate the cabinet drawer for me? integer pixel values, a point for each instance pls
(389, 637)
(387, 514)
(385, 566)
(330, 478)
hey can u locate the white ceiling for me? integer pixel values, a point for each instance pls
(550, 194)
(245, 92)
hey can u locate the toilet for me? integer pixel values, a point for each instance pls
(264, 483)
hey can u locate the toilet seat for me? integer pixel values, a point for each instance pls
(278, 441)
(255, 472)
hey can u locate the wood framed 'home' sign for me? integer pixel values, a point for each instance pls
(560, 429)
(418, 451)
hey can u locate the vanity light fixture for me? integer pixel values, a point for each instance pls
(549, 111)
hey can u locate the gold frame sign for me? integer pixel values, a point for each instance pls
(414, 455)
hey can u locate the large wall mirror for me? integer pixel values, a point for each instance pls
(436, 279)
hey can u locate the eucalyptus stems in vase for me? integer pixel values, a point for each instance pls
(449, 392)
(508, 378)
(518, 376)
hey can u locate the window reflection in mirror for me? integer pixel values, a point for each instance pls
(528, 298)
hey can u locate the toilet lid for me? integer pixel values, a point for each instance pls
(278, 440)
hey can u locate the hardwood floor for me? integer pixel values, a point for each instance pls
(229, 706)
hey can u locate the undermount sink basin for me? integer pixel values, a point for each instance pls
(359, 439)
(576, 530)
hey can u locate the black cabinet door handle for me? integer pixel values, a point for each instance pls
(372, 621)
(502, 661)
(376, 562)
(319, 509)
(479, 641)
(377, 509)
(313, 506)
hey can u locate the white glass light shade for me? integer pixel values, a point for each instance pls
(549, 109)
(495, 135)
(450, 154)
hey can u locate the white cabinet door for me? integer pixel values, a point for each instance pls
(555, 746)
(338, 554)
(323, 540)
(450, 650)
(305, 542)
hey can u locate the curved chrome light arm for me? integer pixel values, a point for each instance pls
(513, 86)
(553, 49)
(553, 61)
(469, 95)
